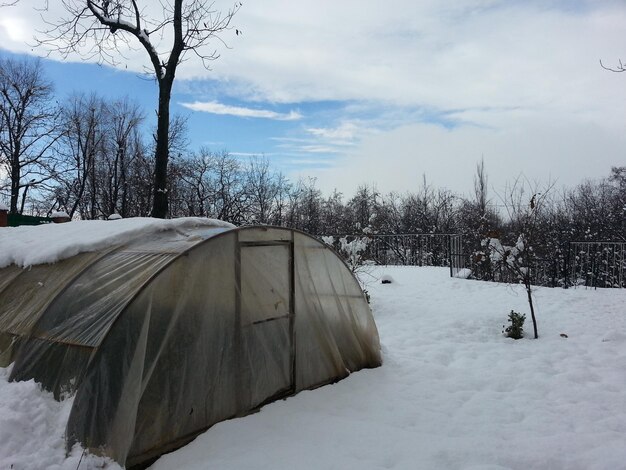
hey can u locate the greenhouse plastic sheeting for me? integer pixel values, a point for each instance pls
(162, 338)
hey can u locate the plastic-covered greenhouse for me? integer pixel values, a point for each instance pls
(165, 335)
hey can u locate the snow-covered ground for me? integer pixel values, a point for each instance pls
(453, 393)
(32, 426)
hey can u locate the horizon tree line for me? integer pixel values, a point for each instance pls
(93, 157)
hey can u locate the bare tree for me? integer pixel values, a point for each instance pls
(27, 127)
(281, 197)
(362, 206)
(230, 199)
(524, 203)
(305, 206)
(106, 28)
(81, 145)
(262, 188)
(480, 188)
(197, 174)
(334, 215)
(476, 218)
(123, 120)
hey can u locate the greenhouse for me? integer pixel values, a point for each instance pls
(162, 335)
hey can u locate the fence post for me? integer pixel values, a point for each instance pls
(450, 253)
(4, 221)
(567, 266)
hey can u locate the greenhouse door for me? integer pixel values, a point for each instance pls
(267, 318)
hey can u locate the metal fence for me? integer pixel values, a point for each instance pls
(458, 259)
(589, 264)
(597, 264)
(411, 249)
(405, 249)
(542, 272)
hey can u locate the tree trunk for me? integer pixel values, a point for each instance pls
(532, 308)
(23, 199)
(160, 201)
(15, 188)
(16, 176)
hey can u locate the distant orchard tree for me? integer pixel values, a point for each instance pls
(104, 29)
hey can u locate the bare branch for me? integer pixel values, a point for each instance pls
(620, 68)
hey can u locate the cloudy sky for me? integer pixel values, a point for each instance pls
(385, 91)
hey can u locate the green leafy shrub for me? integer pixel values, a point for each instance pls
(516, 328)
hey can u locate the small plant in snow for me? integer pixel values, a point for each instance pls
(516, 328)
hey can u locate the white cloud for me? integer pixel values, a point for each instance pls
(330, 141)
(13, 28)
(442, 55)
(521, 80)
(345, 131)
(214, 107)
(316, 162)
(325, 149)
(540, 149)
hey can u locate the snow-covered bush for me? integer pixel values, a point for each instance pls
(353, 251)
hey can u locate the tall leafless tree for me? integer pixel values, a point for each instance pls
(27, 127)
(107, 28)
(263, 187)
(81, 145)
(123, 120)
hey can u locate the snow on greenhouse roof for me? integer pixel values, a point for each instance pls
(30, 245)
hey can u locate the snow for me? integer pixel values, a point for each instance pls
(114, 217)
(463, 273)
(30, 245)
(32, 426)
(3, 207)
(329, 240)
(59, 214)
(453, 393)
